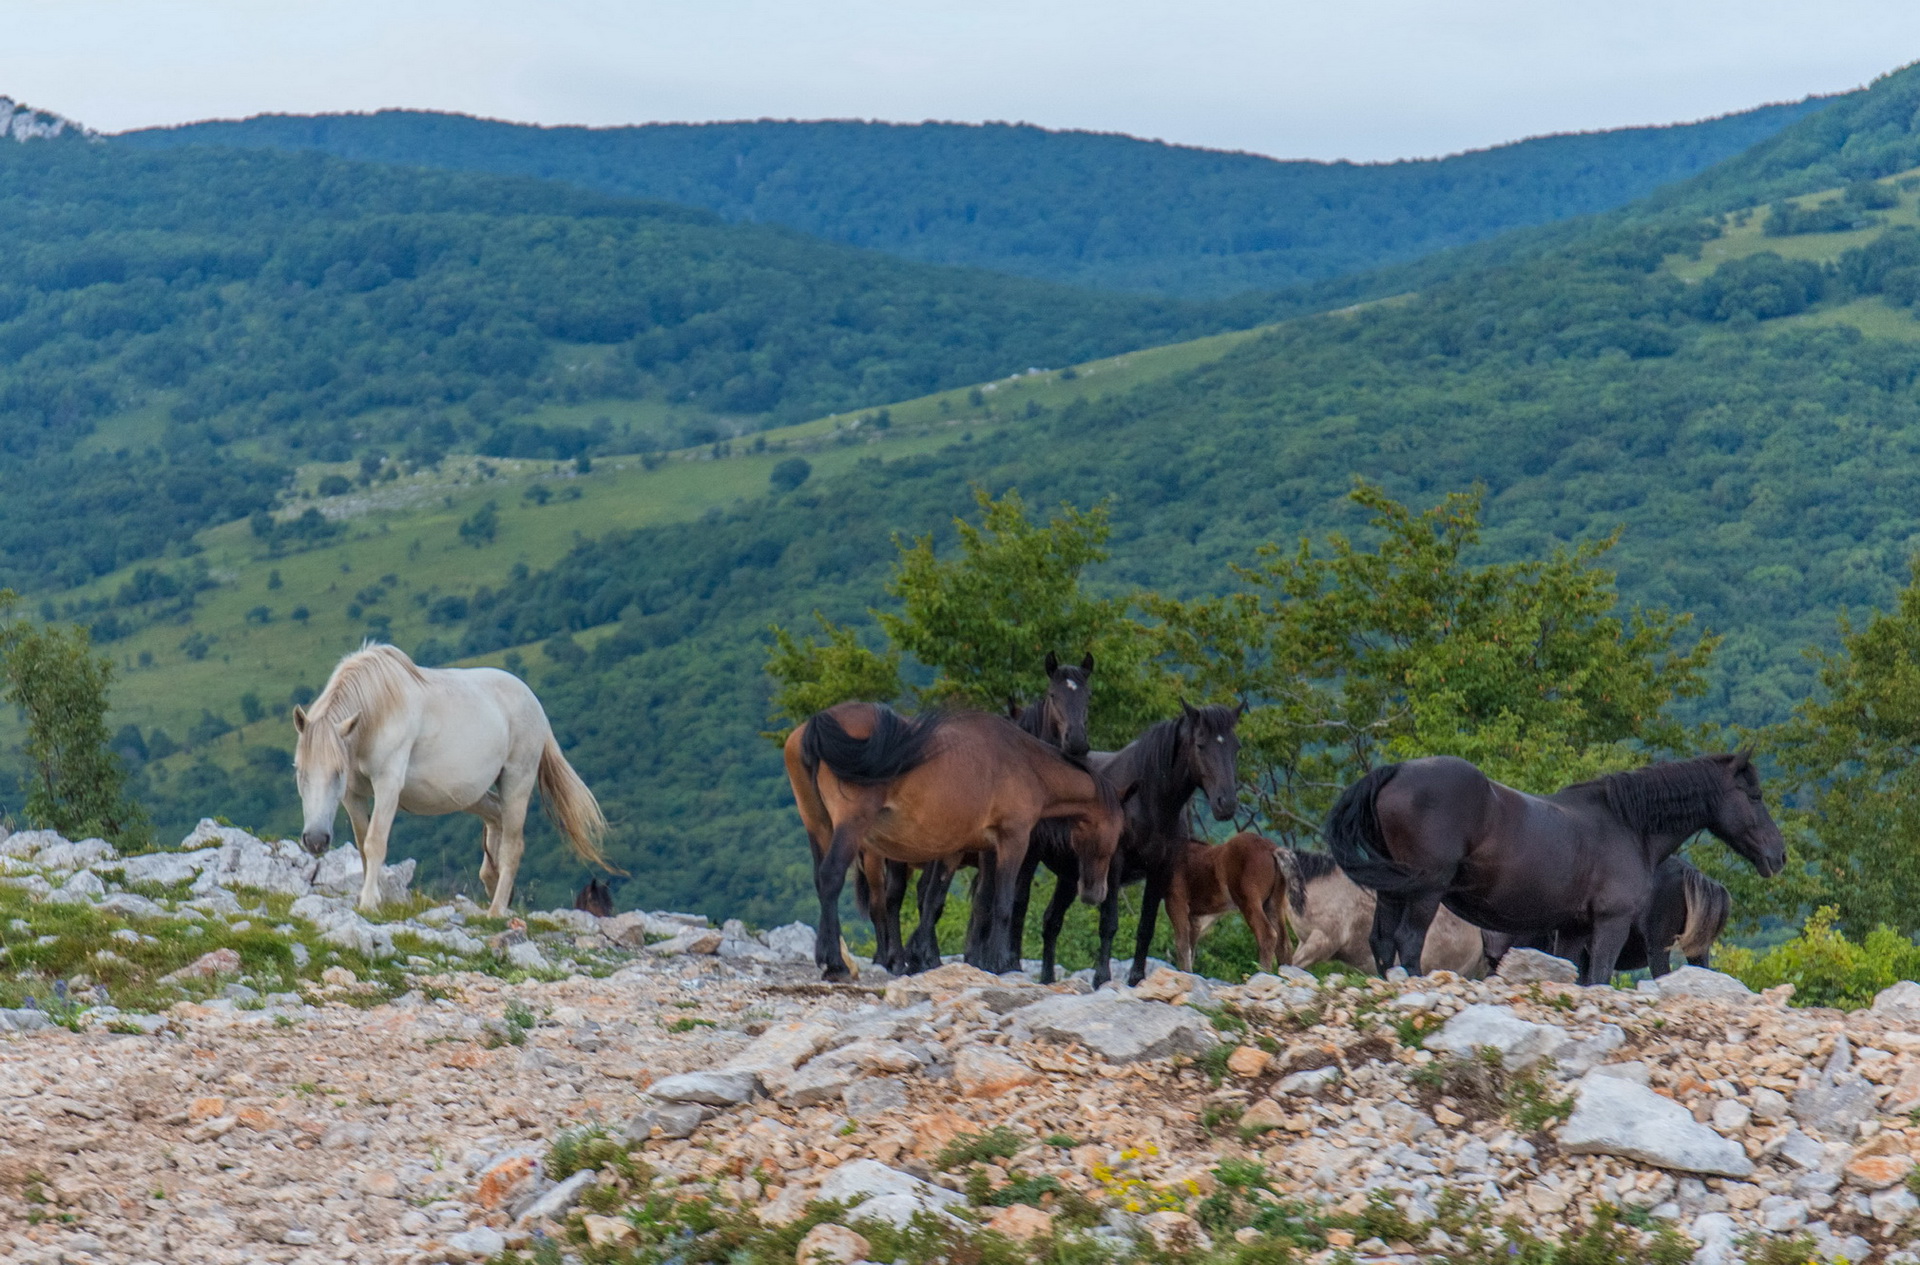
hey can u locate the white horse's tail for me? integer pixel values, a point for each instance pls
(572, 806)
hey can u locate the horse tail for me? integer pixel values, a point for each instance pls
(1707, 909)
(572, 806)
(1353, 835)
(1279, 895)
(895, 748)
(1295, 882)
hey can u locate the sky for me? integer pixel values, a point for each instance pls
(1365, 80)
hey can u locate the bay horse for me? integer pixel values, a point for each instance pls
(1210, 880)
(1439, 830)
(1329, 917)
(1688, 912)
(1058, 718)
(932, 789)
(386, 734)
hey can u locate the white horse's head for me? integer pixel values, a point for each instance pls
(320, 763)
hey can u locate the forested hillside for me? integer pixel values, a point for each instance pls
(195, 322)
(1101, 210)
(1764, 466)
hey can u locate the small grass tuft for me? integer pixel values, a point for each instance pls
(997, 1143)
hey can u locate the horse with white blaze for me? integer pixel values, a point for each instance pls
(387, 734)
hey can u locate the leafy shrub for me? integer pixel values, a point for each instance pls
(1824, 967)
(790, 474)
(996, 1143)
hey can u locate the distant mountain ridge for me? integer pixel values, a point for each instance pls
(1092, 209)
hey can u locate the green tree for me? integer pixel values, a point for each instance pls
(1355, 657)
(984, 621)
(78, 785)
(1851, 755)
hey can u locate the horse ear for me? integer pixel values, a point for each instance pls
(1013, 708)
(1242, 709)
(1186, 708)
(299, 720)
(345, 727)
(1053, 663)
(1086, 662)
(1743, 759)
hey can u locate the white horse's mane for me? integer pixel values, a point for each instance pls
(369, 683)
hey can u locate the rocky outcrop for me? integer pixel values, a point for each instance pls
(21, 122)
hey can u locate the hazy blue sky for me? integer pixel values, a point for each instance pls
(1363, 79)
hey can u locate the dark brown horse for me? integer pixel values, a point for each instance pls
(595, 898)
(933, 789)
(1688, 912)
(1211, 880)
(1582, 859)
(1059, 719)
(1155, 776)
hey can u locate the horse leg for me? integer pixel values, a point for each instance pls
(829, 878)
(1007, 855)
(1257, 909)
(1388, 913)
(1022, 895)
(923, 951)
(1109, 928)
(1604, 943)
(1066, 881)
(1158, 883)
(1180, 914)
(515, 794)
(488, 811)
(373, 847)
(885, 885)
(1412, 941)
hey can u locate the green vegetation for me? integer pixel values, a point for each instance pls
(1824, 967)
(52, 675)
(1093, 209)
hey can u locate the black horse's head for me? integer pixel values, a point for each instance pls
(1213, 750)
(1741, 819)
(1064, 705)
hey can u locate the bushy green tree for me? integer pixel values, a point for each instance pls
(1353, 657)
(984, 620)
(78, 786)
(1851, 755)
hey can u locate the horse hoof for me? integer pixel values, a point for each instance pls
(836, 974)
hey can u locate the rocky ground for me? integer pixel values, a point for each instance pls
(661, 1090)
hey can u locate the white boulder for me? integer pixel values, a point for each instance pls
(1615, 1116)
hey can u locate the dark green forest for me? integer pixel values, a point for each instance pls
(1093, 209)
(265, 309)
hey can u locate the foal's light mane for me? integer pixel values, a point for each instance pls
(369, 684)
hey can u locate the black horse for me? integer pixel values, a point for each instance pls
(1688, 912)
(1155, 776)
(1582, 859)
(1058, 718)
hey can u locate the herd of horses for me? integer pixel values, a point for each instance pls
(1430, 864)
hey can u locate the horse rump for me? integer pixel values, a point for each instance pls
(1354, 837)
(897, 746)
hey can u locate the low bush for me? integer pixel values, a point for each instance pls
(1824, 967)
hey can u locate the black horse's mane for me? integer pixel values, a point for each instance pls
(1677, 795)
(1158, 748)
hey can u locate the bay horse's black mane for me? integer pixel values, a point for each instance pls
(1676, 795)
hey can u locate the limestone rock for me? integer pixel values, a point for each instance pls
(206, 966)
(77, 855)
(791, 943)
(608, 1231)
(1175, 1232)
(820, 1082)
(1482, 1027)
(830, 1244)
(1021, 1222)
(1840, 1100)
(166, 867)
(985, 1073)
(1248, 1060)
(714, 1089)
(1167, 984)
(338, 871)
(82, 888)
(1900, 1001)
(874, 1096)
(1306, 1083)
(1117, 1029)
(1522, 965)
(942, 981)
(478, 1244)
(783, 1047)
(555, 1203)
(669, 1120)
(1612, 1116)
(691, 940)
(1877, 1172)
(244, 861)
(128, 905)
(885, 1194)
(1698, 981)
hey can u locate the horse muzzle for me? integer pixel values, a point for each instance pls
(1225, 808)
(1093, 891)
(316, 841)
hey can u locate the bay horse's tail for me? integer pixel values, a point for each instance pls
(1353, 836)
(1707, 908)
(896, 747)
(572, 806)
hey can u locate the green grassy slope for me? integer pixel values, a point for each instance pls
(1092, 209)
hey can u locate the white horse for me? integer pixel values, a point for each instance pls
(387, 734)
